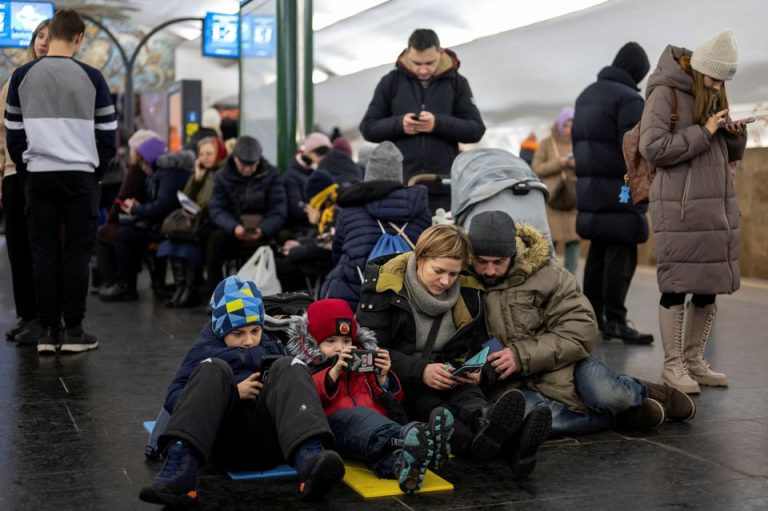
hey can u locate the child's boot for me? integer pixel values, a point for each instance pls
(415, 456)
(172, 486)
(319, 469)
(441, 431)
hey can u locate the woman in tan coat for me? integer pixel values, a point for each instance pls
(553, 162)
(692, 201)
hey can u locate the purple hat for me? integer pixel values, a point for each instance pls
(566, 114)
(150, 150)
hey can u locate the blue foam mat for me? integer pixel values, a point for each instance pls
(280, 471)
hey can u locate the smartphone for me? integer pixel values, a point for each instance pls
(746, 120)
(250, 230)
(493, 345)
(362, 361)
(415, 117)
(465, 370)
(569, 156)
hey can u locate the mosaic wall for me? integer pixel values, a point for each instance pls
(153, 71)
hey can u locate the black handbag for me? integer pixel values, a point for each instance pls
(177, 226)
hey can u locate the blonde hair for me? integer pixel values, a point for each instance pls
(444, 241)
(31, 48)
(702, 95)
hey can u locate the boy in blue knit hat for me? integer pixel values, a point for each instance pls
(224, 411)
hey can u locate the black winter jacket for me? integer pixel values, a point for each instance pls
(235, 195)
(295, 178)
(604, 112)
(341, 167)
(448, 96)
(385, 309)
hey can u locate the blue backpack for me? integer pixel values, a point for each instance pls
(389, 244)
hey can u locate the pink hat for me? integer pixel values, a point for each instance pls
(314, 141)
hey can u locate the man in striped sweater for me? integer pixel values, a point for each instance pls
(61, 135)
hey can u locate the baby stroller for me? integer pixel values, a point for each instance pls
(438, 189)
(496, 180)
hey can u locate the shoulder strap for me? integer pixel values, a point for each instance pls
(673, 115)
(431, 337)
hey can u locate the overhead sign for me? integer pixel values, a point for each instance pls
(18, 20)
(259, 33)
(221, 35)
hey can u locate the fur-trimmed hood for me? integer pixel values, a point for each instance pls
(184, 160)
(303, 346)
(533, 251)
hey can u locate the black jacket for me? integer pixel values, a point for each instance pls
(447, 96)
(385, 309)
(341, 167)
(295, 178)
(604, 112)
(261, 193)
(171, 173)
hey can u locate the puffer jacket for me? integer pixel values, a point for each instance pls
(172, 170)
(546, 164)
(385, 308)
(692, 200)
(235, 195)
(352, 389)
(243, 361)
(448, 96)
(541, 314)
(605, 111)
(363, 206)
(341, 167)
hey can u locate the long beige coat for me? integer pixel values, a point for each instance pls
(692, 200)
(546, 163)
(540, 312)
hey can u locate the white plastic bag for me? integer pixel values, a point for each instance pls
(261, 269)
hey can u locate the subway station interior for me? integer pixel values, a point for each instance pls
(72, 425)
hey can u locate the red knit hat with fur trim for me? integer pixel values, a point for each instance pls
(329, 317)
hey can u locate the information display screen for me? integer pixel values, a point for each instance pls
(220, 35)
(19, 19)
(259, 34)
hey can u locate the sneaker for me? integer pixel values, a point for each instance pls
(76, 340)
(172, 486)
(11, 334)
(118, 293)
(441, 431)
(49, 342)
(625, 331)
(534, 431)
(414, 458)
(31, 333)
(648, 415)
(500, 422)
(318, 472)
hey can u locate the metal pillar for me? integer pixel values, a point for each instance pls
(286, 81)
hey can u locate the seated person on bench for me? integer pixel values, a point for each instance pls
(225, 411)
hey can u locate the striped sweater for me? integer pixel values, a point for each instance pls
(60, 117)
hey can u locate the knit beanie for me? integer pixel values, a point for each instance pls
(315, 140)
(633, 59)
(150, 150)
(141, 136)
(235, 304)
(317, 181)
(211, 119)
(492, 234)
(343, 145)
(329, 317)
(385, 163)
(566, 114)
(717, 57)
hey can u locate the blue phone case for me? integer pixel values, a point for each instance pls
(493, 345)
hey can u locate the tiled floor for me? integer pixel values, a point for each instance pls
(71, 435)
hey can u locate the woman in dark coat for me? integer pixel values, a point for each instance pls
(366, 208)
(692, 200)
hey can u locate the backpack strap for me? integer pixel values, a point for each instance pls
(401, 232)
(431, 337)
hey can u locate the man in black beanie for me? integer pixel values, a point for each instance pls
(605, 111)
(546, 331)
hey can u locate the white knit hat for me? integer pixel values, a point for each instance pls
(717, 57)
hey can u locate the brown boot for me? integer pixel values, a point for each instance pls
(648, 415)
(675, 374)
(678, 406)
(698, 324)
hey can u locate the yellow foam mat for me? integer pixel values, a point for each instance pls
(368, 485)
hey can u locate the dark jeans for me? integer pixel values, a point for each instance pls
(364, 434)
(608, 272)
(465, 402)
(248, 434)
(19, 252)
(59, 200)
(131, 244)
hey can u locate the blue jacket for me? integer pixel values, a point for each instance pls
(172, 170)
(357, 229)
(243, 361)
(235, 195)
(604, 112)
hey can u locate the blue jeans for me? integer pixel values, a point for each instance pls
(603, 391)
(364, 434)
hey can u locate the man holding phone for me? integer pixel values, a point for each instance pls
(547, 330)
(425, 107)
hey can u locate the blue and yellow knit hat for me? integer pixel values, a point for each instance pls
(235, 304)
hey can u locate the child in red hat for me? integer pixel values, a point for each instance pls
(357, 389)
